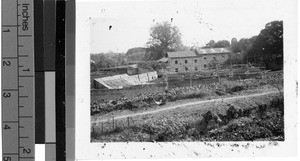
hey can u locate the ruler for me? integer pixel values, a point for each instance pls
(18, 131)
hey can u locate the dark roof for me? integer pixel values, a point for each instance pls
(198, 52)
(164, 60)
(181, 54)
(213, 51)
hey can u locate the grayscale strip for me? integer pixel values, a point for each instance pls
(49, 28)
(70, 79)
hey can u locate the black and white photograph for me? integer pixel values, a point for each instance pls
(160, 79)
(149, 79)
(187, 71)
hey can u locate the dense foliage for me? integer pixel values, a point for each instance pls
(218, 44)
(163, 38)
(268, 46)
(107, 60)
(198, 91)
(260, 122)
(265, 49)
(135, 54)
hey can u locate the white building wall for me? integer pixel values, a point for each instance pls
(196, 63)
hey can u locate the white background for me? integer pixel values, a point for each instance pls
(287, 40)
(135, 150)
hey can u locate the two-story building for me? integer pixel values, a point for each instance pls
(197, 60)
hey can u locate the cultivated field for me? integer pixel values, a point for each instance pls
(229, 110)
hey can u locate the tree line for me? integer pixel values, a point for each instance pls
(266, 48)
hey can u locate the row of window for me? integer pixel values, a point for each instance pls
(186, 68)
(186, 61)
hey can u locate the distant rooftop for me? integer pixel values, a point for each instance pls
(164, 60)
(213, 51)
(181, 54)
(184, 54)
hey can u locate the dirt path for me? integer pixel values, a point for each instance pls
(185, 104)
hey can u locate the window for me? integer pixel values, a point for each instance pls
(204, 58)
(204, 65)
(186, 68)
(176, 62)
(196, 68)
(195, 60)
(185, 61)
(176, 70)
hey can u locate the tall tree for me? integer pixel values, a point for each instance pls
(234, 41)
(268, 46)
(218, 44)
(135, 54)
(163, 38)
(210, 44)
(235, 46)
(221, 44)
(101, 61)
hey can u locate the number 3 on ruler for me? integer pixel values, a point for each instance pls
(6, 158)
(6, 95)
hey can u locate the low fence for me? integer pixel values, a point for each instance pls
(133, 91)
(128, 92)
(111, 125)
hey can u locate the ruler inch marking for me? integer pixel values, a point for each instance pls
(22, 55)
(23, 137)
(18, 99)
(10, 121)
(10, 25)
(24, 35)
(26, 76)
(18, 83)
(23, 96)
(10, 154)
(9, 57)
(18, 77)
(10, 89)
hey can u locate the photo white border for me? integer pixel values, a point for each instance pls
(85, 150)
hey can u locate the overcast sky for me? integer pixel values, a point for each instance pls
(199, 21)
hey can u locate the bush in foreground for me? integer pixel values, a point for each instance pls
(263, 122)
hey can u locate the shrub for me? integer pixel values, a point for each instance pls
(231, 113)
(219, 93)
(261, 109)
(129, 105)
(278, 103)
(235, 89)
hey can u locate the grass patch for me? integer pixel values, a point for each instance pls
(262, 122)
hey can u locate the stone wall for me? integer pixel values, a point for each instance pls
(196, 63)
